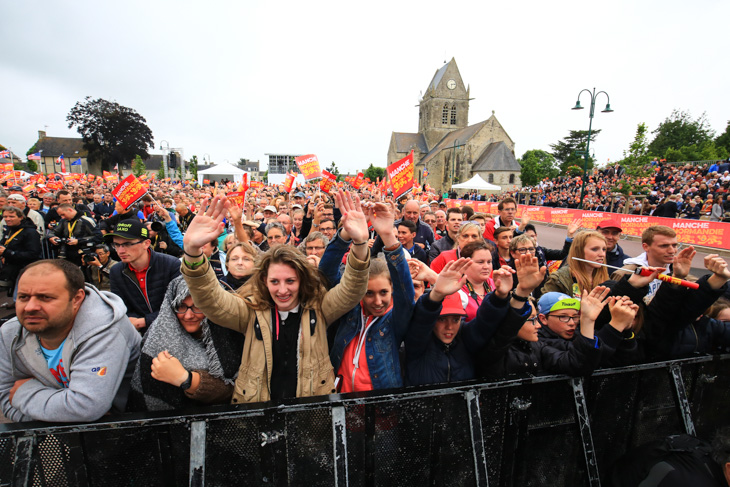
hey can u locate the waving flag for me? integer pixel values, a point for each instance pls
(77, 162)
(35, 157)
(5, 153)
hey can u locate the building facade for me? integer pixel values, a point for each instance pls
(446, 149)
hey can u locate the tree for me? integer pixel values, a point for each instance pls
(723, 140)
(138, 166)
(32, 166)
(373, 173)
(637, 156)
(680, 130)
(333, 169)
(565, 150)
(536, 166)
(194, 167)
(705, 151)
(161, 173)
(112, 133)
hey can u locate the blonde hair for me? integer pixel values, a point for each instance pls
(586, 281)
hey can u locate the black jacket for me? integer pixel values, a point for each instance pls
(20, 250)
(616, 257)
(123, 282)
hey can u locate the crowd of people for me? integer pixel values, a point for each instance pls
(671, 191)
(190, 298)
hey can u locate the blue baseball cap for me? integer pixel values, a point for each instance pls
(555, 301)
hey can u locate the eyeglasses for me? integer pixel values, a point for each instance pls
(524, 250)
(125, 245)
(534, 321)
(183, 308)
(316, 249)
(567, 319)
(327, 229)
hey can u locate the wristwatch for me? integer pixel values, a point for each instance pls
(188, 382)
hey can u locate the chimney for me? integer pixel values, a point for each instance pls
(41, 134)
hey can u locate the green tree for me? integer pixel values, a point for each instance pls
(112, 133)
(636, 157)
(32, 166)
(536, 166)
(138, 166)
(723, 140)
(564, 151)
(699, 152)
(161, 173)
(373, 173)
(194, 167)
(680, 130)
(333, 169)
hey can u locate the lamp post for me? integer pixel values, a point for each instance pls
(585, 153)
(165, 155)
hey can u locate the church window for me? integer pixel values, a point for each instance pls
(490, 178)
(512, 179)
(445, 114)
(453, 114)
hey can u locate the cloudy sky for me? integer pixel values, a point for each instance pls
(242, 79)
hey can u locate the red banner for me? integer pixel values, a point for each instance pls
(129, 191)
(289, 182)
(243, 187)
(400, 174)
(358, 181)
(237, 197)
(7, 167)
(309, 166)
(328, 181)
(693, 232)
(257, 184)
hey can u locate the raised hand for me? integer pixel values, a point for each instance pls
(637, 280)
(591, 304)
(421, 272)
(574, 226)
(234, 212)
(206, 226)
(451, 279)
(683, 262)
(503, 281)
(529, 273)
(354, 223)
(382, 217)
(623, 312)
(162, 212)
(717, 265)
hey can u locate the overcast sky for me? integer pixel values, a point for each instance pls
(242, 79)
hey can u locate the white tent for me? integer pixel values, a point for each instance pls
(221, 171)
(477, 183)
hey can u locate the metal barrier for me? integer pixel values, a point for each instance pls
(548, 430)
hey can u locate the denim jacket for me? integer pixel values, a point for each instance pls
(387, 333)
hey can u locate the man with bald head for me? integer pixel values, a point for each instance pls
(424, 235)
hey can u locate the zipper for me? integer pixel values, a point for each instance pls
(697, 339)
(136, 284)
(448, 363)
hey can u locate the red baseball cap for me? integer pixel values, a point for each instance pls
(452, 305)
(610, 223)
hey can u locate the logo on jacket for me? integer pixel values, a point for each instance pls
(100, 371)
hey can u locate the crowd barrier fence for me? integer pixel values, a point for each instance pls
(692, 232)
(545, 430)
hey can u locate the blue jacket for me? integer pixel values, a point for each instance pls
(430, 361)
(387, 332)
(617, 257)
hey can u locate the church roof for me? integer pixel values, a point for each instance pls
(437, 77)
(496, 157)
(459, 136)
(404, 142)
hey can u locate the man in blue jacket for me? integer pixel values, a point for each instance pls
(142, 278)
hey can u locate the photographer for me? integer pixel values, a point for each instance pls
(97, 266)
(19, 245)
(161, 241)
(74, 233)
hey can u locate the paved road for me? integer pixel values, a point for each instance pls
(553, 238)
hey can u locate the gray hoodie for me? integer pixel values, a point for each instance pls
(99, 355)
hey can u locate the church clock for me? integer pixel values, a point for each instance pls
(451, 84)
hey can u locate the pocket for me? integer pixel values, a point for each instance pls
(323, 378)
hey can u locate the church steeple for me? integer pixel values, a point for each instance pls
(444, 106)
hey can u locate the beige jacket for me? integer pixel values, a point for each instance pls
(316, 376)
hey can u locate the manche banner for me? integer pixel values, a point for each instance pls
(129, 191)
(400, 174)
(309, 166)
(692, 232)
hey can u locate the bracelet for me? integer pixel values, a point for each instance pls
(193, 256)
(519, 298)
(361, 243)
(194, 265)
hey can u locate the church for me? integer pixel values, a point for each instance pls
(446, 149)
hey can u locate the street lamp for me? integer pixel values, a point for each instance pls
(165, 155)
(585, 153)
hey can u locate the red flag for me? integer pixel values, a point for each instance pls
(128, 191)
(400, 174)
(309, 166)
(328, 181)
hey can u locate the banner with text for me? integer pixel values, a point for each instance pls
(309, 166)
(237, 197)
(129, 191)
(693, 232)
(400, 174)
(328, 181)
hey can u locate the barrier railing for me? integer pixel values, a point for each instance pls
(547, 430)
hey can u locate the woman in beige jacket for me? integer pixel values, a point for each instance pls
(283, 310)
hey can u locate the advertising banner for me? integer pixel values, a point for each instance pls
(400, 174)
(129, 191)
(237, 197)
(289, 181)
(692, 232)
(328, 182)
(309, 166)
